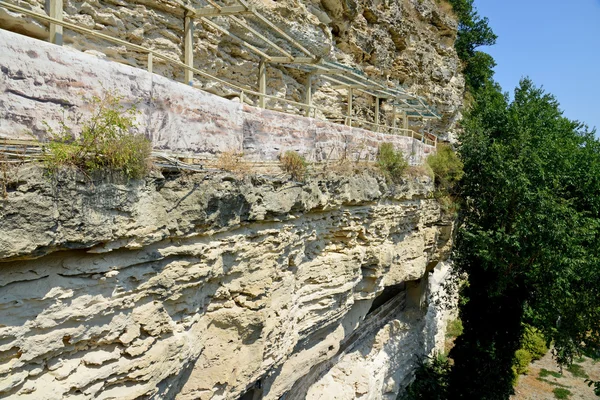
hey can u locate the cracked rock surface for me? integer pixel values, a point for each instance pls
(207, 286)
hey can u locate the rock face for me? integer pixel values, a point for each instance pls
(408, 42)
(212, 286)
(207, 286)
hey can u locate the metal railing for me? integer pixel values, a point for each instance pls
(309, 110)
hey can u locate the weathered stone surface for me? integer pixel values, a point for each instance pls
(44, 84)
(383, 363)
(198, 287)
(410, 42)
(211, 286)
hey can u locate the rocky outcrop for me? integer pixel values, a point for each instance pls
(407, 42)
(208, 286)
(211, 285)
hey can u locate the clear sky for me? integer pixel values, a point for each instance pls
(554, 42)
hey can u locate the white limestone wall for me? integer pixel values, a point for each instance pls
(41, 84)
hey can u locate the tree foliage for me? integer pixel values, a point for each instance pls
(431, 380)
(447, 168)
(529, 237)
(473, 32)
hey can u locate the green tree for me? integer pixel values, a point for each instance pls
(529, 236)
(431, 380)
(473, 32)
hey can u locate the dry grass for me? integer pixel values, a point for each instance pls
(294, 164)
(233, 161)
(446, 8)
(343, 167)
(418, 171)
(10, 167)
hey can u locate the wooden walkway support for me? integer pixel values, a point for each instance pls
(349, 105)
(262, 83)
(188, 43)
(308, 94)
(376, 114)
(55, 10)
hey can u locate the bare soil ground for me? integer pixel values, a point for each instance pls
(545, 377)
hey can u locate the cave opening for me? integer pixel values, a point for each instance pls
(254, 393)
(389, 292)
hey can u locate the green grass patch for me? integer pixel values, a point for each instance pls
(544, 373)
(454, 328)
(577, 371)
(561, 393)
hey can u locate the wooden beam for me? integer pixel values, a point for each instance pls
(262, 82)
(262, 37)
(376, 114)
(344, 84)
(55, 10)
(231, 35)
(282, 33)
(308, 94)
(294, 60)
(404, 120)
(185, 7)
(359, 88)
(214, 4)
(223, 11)
(150, 62)
(188, 36)
(349, 110)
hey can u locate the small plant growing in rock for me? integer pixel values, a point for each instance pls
(391, 162)
(294, 164)
(232, 161)
(447, 170)
(105, 142)
(454, 328)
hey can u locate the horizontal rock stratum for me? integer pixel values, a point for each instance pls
(208, 286)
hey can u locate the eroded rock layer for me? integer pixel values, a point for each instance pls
(209, 286)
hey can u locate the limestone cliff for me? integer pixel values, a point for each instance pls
(209, 286)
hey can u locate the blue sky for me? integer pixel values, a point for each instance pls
(554, 42)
